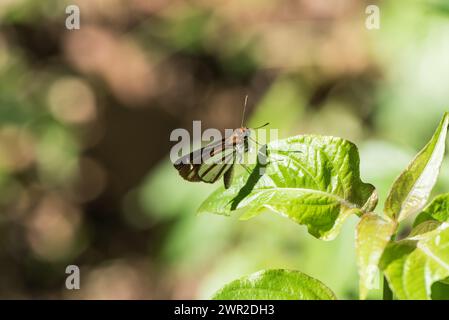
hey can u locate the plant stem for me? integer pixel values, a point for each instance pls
(387, 294)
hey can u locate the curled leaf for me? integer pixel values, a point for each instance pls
(412, 188)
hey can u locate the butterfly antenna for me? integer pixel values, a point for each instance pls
(244, 109)
(264, 125)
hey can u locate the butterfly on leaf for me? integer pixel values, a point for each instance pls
(216, 160)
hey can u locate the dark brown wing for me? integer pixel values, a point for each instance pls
(207, 164)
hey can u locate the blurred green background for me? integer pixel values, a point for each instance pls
(86, 115)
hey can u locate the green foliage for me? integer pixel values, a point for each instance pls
(275, 285)
(315, 181)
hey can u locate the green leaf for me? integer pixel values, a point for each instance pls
(413, 265)
(313, 180)
(275, 285)
(437, 210)
(410, 191)
(440, 291)
(372, 236)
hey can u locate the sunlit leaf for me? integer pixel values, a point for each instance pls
(313, 180)
(372, 236)
(413, 265)
(275, 285)
(412, 188)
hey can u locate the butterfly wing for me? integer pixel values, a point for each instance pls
(207, 164)
(214, 168)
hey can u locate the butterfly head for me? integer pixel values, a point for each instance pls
(240, 134)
